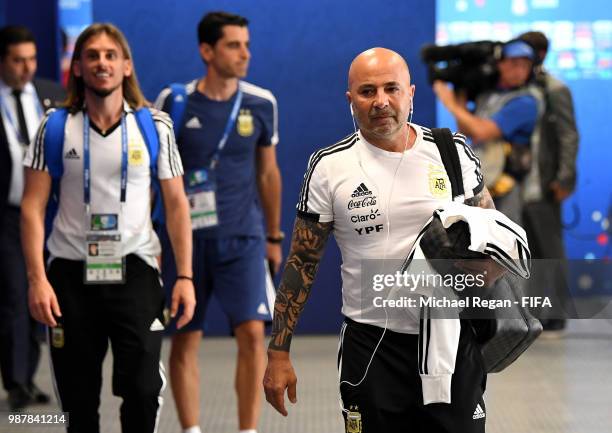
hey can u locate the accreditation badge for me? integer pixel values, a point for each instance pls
(57, 337)
(245, 124)
(201, 192)
(353, 422)
(104, 262)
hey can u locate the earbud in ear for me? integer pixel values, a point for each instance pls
(351, 108)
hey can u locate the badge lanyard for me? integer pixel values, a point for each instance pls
(231, 120)
(105, 263)
(11, 119)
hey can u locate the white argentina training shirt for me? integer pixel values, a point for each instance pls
(350, 182)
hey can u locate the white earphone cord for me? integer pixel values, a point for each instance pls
(365, 374)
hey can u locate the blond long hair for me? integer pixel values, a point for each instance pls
(76, 88)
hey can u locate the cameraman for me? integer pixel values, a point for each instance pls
(503, 125)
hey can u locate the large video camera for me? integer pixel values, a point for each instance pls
(470, 66)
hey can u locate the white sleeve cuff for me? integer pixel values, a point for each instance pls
(436, 389)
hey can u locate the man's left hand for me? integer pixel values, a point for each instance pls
(274, 253)
(183, 293)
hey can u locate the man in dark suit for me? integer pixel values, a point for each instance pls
(23, 101)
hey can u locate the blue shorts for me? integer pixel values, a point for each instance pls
(234, 269)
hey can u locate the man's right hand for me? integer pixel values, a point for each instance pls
(280, 376)
(43, 302)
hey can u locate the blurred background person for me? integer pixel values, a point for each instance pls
(552, 177)
(23, 101)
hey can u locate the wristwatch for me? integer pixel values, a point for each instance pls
(276, 239)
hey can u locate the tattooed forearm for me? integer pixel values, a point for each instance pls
(482, 199)
(307, 247)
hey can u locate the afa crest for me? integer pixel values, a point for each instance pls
(353, 421)
(245, 123)
(439, 185)
(136, 150)
(136, 157)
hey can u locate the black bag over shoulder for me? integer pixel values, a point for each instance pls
(503, 339)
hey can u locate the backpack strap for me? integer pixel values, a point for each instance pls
(176, 110)
(54, 142)
(450, 158)
(146, 124)
(178, 103)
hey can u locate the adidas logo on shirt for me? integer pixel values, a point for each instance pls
(361, 191)
(72, 154)
(478, 413)
(193, 123)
